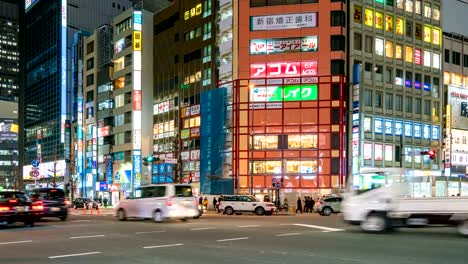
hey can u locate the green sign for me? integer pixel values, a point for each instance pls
(286, 93)
(185, 133)
(185, 86)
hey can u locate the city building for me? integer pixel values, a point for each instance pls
(47, 31)
(9, 85)
(185, 52)
(395, 107)
(456, 112)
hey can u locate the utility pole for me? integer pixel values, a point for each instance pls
(402, 154)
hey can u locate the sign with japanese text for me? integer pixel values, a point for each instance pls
(399, 26)
(369, 17)
(284, 21)
(136, 100)
(427, 33)
(436, 36)
(379, 20)
(286, 93)
(283, 69)
(137, 40)
(389, 23)
(270, 46)
(358, 14)
(458, 100)
(418, 31)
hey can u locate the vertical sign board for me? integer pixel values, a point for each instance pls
(355, 121)
(109, 169)
(136, 169)
(79, 136)
(63, 69)
(137, 99)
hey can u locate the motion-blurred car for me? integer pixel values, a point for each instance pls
(85, 203)
(328, 205)
(159, 202)
(15, 207)
(52, 201)
(231, 204)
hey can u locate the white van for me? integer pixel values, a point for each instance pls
(159, 202)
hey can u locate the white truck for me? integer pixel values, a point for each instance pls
(383, 208)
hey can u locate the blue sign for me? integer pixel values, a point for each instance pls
(109, 169)
(155, 168)
(162, 168)
(102, 186)
(137, 20)
(35, 163)
(137, 168)
(436, 132)
(378, 125)
(169, 168)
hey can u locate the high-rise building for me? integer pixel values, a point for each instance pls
(47, 31)
(9, 86)
(395, 82)
(455, 154)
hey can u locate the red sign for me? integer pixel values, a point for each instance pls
(103, 131)
(137, 100)
(283, 69)
(417, 56)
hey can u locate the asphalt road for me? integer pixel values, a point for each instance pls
(225, 239)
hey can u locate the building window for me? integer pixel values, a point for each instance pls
(207, 31)
(399, 102)
(368, 71)
(388, 49)
(379, 46)
(206, 8)
(409, 29)
(408, 104)
(408, 79)
(389, 101)
(378, 72)
(369, 42)
(398, 52)
(90, 64)
(417, 106)
(337, 66)
(447, 56)
(357, 41)
(206, 76)
(207, 54)
(465, 60)
(388, 75)
(427, 107)
(90, 47)
(378, 99)
(417, 7)
(400, 4)
(455, 58)
(417, 80)
(436, 13)
(427, 10)
(389, 2)
(409, 6)
(399, 77)
(368, 97)
(337, 19)
(409, 54)
(436, 109)
(338, 43)
(90, 79)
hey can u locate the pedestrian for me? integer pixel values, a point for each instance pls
(306, 203)
(312, 203)
(105, 202)
(215, 203)
(299, 205)
(200, 200)
(205, 203)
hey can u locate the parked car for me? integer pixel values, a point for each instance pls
(52, 202)
(231, 204)
(85, 203)
(159, 202)
(15, 207)
(328, 205)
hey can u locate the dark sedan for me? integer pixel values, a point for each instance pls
(15, 207)
(52, 201)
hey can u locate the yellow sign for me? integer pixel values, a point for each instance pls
(136, 40)
(389, 23)
(436, 36)
(194, 11)
(448, 118)
(186, 15)
(427, 33)
(418, 31)
(379, 20)
(399, 22)
(358, 14)
(369, 17)
(198, 9)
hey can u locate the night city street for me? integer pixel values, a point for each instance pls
(303, 238)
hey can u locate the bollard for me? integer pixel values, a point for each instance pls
(98, 210)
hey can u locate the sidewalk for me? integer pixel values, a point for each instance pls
(103, 211)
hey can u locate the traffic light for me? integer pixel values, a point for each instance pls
(431, 153)
(150, 158)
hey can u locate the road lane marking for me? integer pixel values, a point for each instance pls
(202, 228)
(242, 226)
(288, 234)
(75, 255)
(79, 221)
(15, 242)
(320, 227)
(149, 232)
(232, 239)
(163, 246)
(78, 237)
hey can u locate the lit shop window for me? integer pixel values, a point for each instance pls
(427, 58)
(398, 51)
(408, 158)
(119, 82)
(409, 6)
(408, 54)
(358, 14)
(379, 46)
(400, 4)
(417, 56)
(302, 141)
(436, 36)
(119, 64)
(368, 17)
(389, 49)
(379, 20)
(302, 166)
(436, 60)
(367, 124)
(192, 122)
(436, 13)
(399, 26)
(368, 151)
(388, 152)
(378, 151)
(266, 166)
(417, 7)
(265, 142)
(427, 10)
(389, 23)
(427, 33)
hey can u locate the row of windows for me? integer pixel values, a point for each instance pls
(397, 102)
(389, 152)
(455, 58)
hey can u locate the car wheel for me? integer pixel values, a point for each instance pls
(29, 223)
(375, 223)
(122, 215)
(157, 216)
(327, 211)
(229, 210)
(463, 228)
(259, 210)
(63, 217)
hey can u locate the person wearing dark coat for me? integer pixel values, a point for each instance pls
(299, 205)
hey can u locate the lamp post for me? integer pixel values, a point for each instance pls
(252, 133)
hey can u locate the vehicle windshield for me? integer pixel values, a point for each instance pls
(253, 199)
(47, 194)
(6, 196)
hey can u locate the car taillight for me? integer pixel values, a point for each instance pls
(4, 208)
(169, 201)
(13, 201)
(37, 205)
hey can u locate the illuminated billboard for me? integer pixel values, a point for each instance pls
(8, 130)
(286, 93)
(46, 170)
(281, 45)
(283, 21)
(283, 69)
(458, 99)
(29, 3)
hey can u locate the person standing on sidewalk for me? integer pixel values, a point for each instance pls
(299, 205)
(105, 201)
(215, 203)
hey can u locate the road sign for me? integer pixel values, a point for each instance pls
(34, 173)
(170, 160)
(35, 163)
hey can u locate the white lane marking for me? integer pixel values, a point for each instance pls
(321, 227)
(149, 232)
(232, 239)
(242, 226)
(79, 221)
(75, 255)
(15, 242)
(163, 246)
(288, 234)
(202, 228)
(78, 237)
